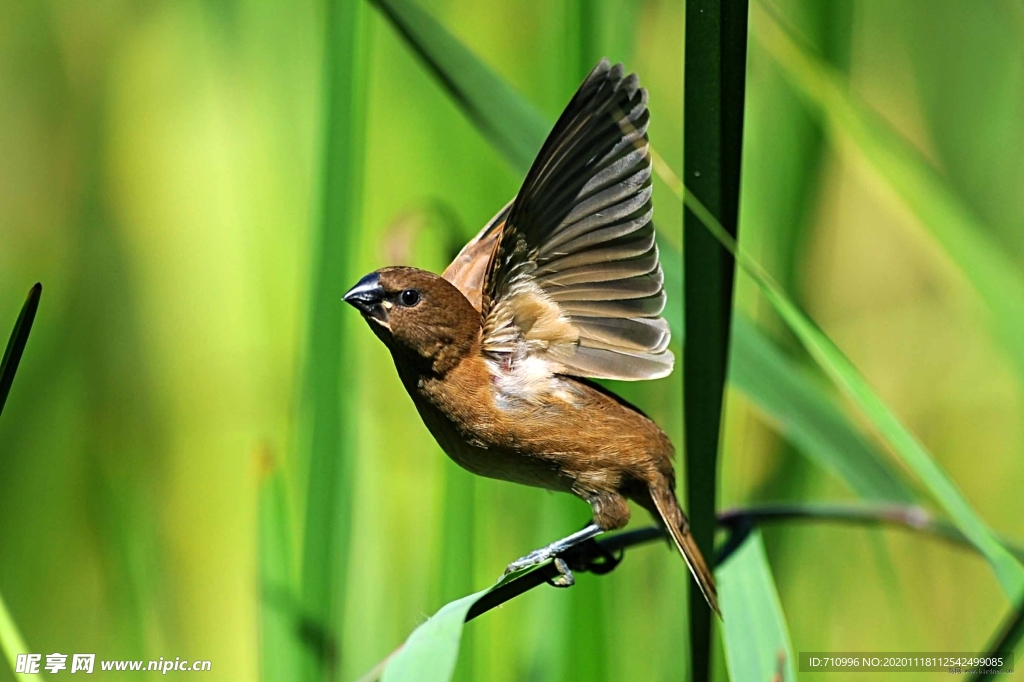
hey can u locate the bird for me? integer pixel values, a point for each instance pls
(563, 286)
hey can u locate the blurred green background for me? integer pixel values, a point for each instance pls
(162, 172)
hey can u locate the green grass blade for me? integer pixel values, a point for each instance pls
(280, 647)
(801, 407)
(963, 236)
(1008, 570)
(757, 645)
(326, 428)
(715, 76)
(430, 652)
(16, 342)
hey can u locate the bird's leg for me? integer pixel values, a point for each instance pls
(544, 553)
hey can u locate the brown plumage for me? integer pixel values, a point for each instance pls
(563, 284)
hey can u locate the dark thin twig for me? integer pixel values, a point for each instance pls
(910, 517)
(602, 555)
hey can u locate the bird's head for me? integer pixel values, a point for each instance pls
(418, 315)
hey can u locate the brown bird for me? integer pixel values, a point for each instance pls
(563, 285)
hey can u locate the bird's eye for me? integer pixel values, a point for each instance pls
(410, 297)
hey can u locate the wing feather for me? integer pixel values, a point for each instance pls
(573, 276)
(468, 272)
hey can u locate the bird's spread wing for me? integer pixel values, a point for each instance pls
(573, 277)
(469, 269)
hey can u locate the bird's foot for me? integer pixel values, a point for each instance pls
(565, 578)
(539, 556)
(535, 557)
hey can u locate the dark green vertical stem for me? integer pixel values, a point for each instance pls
(715, 66)
(326, 399)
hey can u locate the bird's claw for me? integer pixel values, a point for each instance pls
(564, 578)
(535, 557)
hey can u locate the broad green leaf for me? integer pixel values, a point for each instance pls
(16, 343)
(757, 645)
(904, 444)
(430, 653)
(327, 442)
(801, 408)
(963, 236)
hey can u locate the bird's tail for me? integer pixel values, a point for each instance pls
(679, 528)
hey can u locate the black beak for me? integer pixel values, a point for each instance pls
(368, 296)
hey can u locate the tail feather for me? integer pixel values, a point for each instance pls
(679, 528)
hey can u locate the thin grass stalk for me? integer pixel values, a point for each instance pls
(714, 72)
(327, 399)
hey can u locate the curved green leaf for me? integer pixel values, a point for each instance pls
(430, 653)
(757, 645)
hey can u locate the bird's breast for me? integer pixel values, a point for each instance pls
(487, 425)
